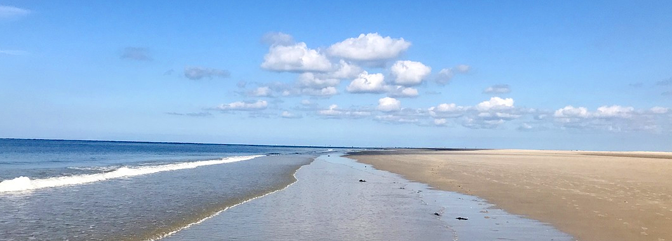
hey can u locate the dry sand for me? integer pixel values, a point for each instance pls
(590, 195)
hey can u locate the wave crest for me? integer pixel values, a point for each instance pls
(26, 184)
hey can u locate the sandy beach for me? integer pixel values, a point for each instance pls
(590, 195)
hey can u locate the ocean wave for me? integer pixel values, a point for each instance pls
(26, 184)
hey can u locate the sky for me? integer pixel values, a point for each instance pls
(570, 75)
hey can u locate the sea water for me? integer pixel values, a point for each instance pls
(99, 190)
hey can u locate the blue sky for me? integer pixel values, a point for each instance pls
(490, 74)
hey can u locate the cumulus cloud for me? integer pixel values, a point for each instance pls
(492, 113)
(367, 83)
(388, 104)
(289, 115)
(497, 89)
(346, 70)
(402, 92)
(446, 110)
(334, 112)
(369, 48)
(310, 80)
(295, 58)
(263, 91)
(614, 111)
(495, 103)
(326, 91)
(306, 84)
(440, 122)
(611, 118)
(9, 12)
(135, 53)
(244, 106)
(487, 114)
(409, 73)
(197, 73)
(277, 38)
(572, 112)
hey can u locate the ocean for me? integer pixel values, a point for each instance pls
(102, 190)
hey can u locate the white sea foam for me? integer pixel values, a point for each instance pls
(27, 184)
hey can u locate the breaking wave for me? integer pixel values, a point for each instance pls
(26, 184)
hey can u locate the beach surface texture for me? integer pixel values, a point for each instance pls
(590, 195)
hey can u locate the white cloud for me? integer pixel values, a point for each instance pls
(367, 83)
(369, 47)
(409, 73)
(388, 104)
(288, 115)
(263, 91)
(613, 118)
(659, 110)
(335, 112)
(614, 111)
(396, 119)
(572, 112)
(277, 38)
(196, 73)
(332, 111)
(306, 84)
(310, 80)
(444, 76)
(447, 110)
(326, 91)
(295, 58)
(400, 91)
(244, 106)
(12, 12)
(440, 122)
(346, 70)
(495, 103)
(477, 123)
(463, 68)
(497, 89)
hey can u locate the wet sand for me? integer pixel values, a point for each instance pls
(590, 195)
(328, 202)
